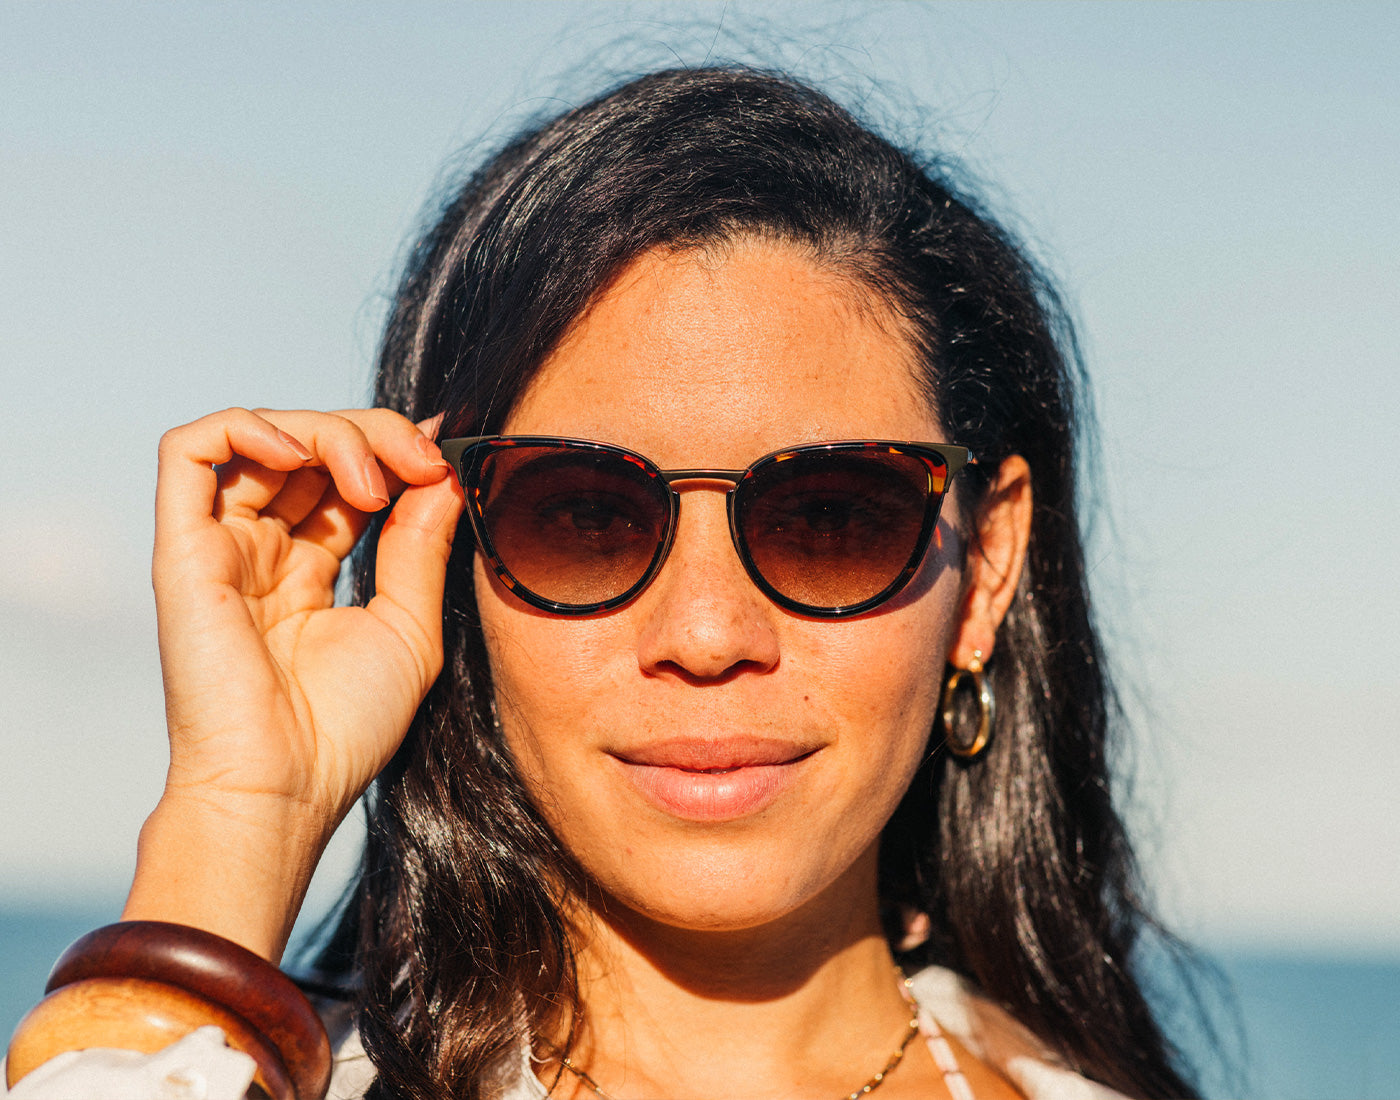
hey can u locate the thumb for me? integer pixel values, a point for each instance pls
(411, 563)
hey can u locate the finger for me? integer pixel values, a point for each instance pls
(336, 526)
(405, 449)
(187, 481)
(411, 565)
(301, 493)
(402, 454)
(422, 465)
(246, 487)
(432, 426)
(337, 443)
(333, 524)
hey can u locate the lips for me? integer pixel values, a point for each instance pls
(713, 780)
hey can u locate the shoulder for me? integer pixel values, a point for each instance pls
(991, 1034)
(352, 1072)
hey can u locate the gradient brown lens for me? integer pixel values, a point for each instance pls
(832, 529)
(575, 526)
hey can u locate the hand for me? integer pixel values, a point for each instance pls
(282, 707)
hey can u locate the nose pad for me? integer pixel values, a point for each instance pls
(703, 615)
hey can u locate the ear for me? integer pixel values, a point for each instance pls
(995, 555)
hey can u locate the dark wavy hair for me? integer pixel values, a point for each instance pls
(454, 931)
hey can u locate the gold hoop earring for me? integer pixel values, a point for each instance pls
(959, 746)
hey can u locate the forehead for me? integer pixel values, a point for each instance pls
(720, 355)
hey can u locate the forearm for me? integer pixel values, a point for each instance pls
(239, 870)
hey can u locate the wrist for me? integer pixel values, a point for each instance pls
(235, 866)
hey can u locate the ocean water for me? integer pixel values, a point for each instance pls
(1317, 1026)
(1310, 1026)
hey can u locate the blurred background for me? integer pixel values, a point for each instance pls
(206, 205)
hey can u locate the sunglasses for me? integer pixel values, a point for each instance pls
(826, 529)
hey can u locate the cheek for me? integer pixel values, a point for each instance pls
(883, 699)
(548, 673)
(890, 665)
(877, 681)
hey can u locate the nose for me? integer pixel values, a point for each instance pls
(702, 617)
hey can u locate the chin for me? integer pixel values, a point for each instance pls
(744, 891)
(731, 910)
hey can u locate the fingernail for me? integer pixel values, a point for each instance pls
(374, 482)
(294, 446)
(429, 450)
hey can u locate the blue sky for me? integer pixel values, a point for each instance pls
(205, 205)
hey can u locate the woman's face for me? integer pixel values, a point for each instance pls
(711, 760)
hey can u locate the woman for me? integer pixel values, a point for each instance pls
(695, 730)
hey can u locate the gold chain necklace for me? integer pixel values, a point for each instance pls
(870, 1086)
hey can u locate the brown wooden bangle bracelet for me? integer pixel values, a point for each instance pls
(231, 978)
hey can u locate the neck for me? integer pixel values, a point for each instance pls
(804, 1005)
